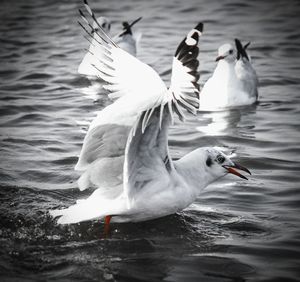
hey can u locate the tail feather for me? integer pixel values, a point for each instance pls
(88, 209)
(77, 213)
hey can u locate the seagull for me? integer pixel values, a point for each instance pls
(245, 72)
(232, 82)
(220, 89)
(125, 40)
(125, 153)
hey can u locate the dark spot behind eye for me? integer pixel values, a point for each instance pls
(220, 159)
(208, 161)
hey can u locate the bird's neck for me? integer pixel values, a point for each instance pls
(224, 69)
(193, 170)
(228, 80)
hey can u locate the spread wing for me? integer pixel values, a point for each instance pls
(148, 164)
(185, 75)
(147, 159)
(138, 88)
(123, 73)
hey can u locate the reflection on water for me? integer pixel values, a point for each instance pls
(228, 122)
(92, 91)
(217, 123)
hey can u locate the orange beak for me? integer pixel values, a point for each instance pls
(232, 170)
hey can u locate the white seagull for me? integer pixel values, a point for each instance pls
(127, 40)
(245, 73)
(232, 83)
(125, 152)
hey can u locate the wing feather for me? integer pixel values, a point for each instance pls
(139, 92)
(148, 164)
(147, 156)
(120, 69)
(125, 76)
(185, 75)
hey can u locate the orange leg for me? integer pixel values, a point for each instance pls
(106, 224)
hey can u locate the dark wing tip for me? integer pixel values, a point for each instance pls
(184, 47)
(81, 13)
(197, 32)
(241, 51)
(135, 21)
(238, 45)
(187, 54)
(246, 45)
(127, 27)
(199, 27)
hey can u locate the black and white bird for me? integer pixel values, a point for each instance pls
(234, 81)
(125, 153)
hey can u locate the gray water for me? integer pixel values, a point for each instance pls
(236, 231)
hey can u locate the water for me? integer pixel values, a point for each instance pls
(236, 231)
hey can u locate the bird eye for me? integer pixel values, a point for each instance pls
(230, 51)
(220, 159)
(103, 25)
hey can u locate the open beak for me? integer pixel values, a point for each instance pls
(232, 169)
(220, 58)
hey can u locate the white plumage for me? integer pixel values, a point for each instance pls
(126, 40)
(125, 152)
(86, 67)
(233, 83)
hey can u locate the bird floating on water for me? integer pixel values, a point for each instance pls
(234, 81)
(125, 153)
(127, 40)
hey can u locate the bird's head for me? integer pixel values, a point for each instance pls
(226, 52)
(218, 164)
(104, 23)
